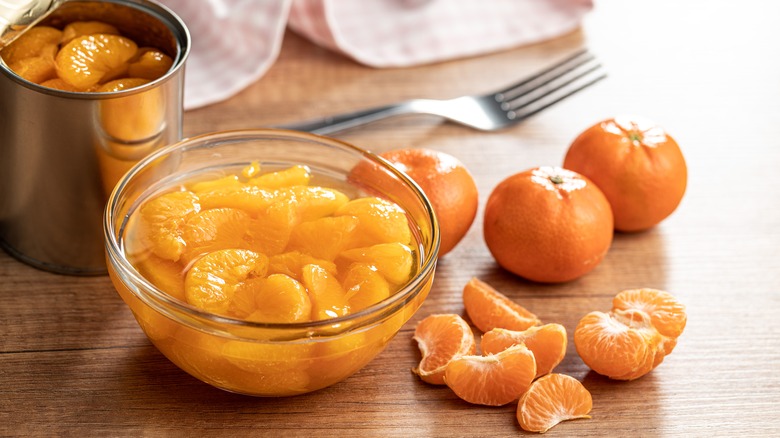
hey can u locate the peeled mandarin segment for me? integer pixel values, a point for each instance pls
(212, 280)
(270, 232)
(81, 28)
(612, 348)
(381, 221)
(493, 380)
(214, 229)
(88, 60)
(441, 339)
(121, 85)
(364, 286)
(293, 176)
(488, 309)
(59, 84)
(393, 260)
(226, 182)
(31, 44)
(36, 69)
(151, 64)
(552, 399)
(547, 342)
(291, 263)
(168, 276)
(279, 299)
(314, 202)
(162, 221)
(667, 314)
(327, 296)
(223, 193)
(268, 358)
(323, 238)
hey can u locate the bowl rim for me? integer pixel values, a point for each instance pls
(194, 317)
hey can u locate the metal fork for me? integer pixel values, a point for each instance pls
(488, 112)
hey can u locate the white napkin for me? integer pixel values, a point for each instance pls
(234, 42)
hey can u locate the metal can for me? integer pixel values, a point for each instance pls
(62, 152)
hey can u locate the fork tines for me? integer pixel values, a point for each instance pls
(535, 93)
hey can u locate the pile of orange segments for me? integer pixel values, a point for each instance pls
(519, 353)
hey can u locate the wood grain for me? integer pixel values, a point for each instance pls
(74, 362)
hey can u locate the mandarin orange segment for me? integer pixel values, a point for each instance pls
(81, 28)
(291, 263)
(31, 43)
(214, 229)
(59, 84)
(313, 202)
(37, 69)
(547, 342)
(293, 176)
(324, 238)
(216, 184)
(270, 232)
(212, 280)
(364, 286)
(441, 339)
(552, 399)
(163, 219)
(223, 193)
(268, 358)
(149, 63)
(327, 295)
(278, 299)
(121, 85)
(393, 260)
(488, 309)
(168, 276)
(381, 221)
(492, 380)
(88, 60)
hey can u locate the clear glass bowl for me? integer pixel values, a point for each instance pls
(265, 359)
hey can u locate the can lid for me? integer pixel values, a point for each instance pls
(17, 15)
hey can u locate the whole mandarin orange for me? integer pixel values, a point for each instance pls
(548, 224)
(448, 185)
(637, 165)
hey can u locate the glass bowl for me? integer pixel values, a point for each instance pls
(268, 359)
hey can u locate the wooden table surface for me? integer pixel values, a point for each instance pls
(74, 362)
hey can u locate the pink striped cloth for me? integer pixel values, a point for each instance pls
(234, 42)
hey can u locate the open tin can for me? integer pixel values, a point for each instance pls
(62, 152)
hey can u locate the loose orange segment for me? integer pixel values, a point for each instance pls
(121, 84)
(163, 219)
(293, 176)
(33, 43)
(364, 286)
(492, 380)
(488, 309)
(547, 342)
(312, 202)
(214, 229)
(37, 69)
(59, 84)
(552, 399)
(393, 260)
(632, 339)
(441, 339)
(324, 238)
(327, 295)
(228, 192)
(381, 221)
(149, 63)
(212, 280)
(291, 264)
(277, 298)
(88, 60)
(82, 28)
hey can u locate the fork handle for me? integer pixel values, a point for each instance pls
(341, 122)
